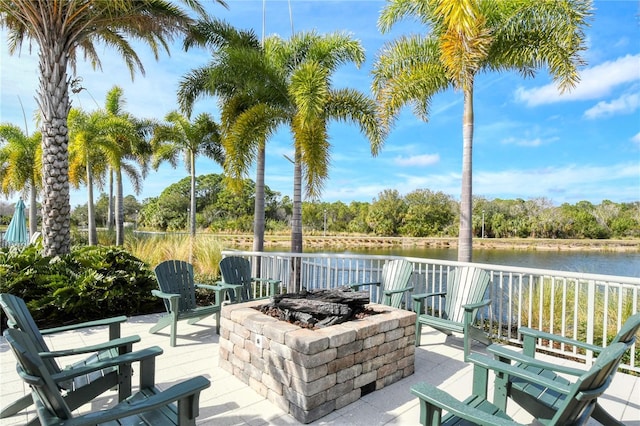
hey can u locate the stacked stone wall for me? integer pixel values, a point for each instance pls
(310, 373)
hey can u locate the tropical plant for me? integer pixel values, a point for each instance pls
(179, 136)
(86, 162)
(20, 166)
(126, 149)
(237, 94)
(63, 29)
(89, 283)
(466, 38)
(285, 82)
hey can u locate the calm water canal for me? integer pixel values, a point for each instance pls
(608, 263)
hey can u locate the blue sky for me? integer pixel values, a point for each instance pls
(530, 141)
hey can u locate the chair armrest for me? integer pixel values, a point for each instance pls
(127, 358)
(209, 287)
(444, 401)
(400, 290)
(96, 323)
(530, 336)
(356, 286)
(226, 287)
(266, 280)
(472, 306)
(116, 343)
(515, 371)
(421, 296)
(184, 392)
(164, 295)
(506, 354)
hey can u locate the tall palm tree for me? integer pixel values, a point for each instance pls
(62, 29)
(288, 82)
(179, 136)
(86, 160)
(127, 150)
(468, 37)
(20, 166)
(235, 93)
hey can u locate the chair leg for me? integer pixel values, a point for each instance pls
(218, 322)
(603, 417)
(418, 333)
(163, 322)
(16, 406)
(174, 332)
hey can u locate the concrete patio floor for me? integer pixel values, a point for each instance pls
(230, 402)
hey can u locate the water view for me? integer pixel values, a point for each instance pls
(594, 262)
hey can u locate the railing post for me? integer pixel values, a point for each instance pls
(591, 313)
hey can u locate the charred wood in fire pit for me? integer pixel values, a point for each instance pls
(319, 308)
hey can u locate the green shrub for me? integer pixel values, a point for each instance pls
(91, 282)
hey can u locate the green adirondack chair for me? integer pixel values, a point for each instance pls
(466, 288)
(148, 406)
(579, 398)
(236, 276)
(393, 284)
(178, 292)
(538, 399)
(77, 387)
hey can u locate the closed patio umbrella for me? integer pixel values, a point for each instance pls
(17, 232)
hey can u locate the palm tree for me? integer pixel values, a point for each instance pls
(288, 82)
(236, 96)
(86, 159)
(468, 37)
(180, 136)
(20, 167)
(63, 29)
(126, 149)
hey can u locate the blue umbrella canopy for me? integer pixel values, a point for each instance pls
(17, 232)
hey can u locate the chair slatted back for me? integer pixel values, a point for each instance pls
(18, 316)
(465, 284)
(176, 276)
(581, 400)
(395, 275)
(33, 371)
(628, 330)
(237, 270)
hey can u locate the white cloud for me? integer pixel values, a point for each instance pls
(625, 104)
(595, 82)
(636, 139)
(418, 160)
(523, 142)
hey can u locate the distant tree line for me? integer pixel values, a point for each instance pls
(420, 213)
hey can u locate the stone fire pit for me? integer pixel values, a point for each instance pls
(310, 373)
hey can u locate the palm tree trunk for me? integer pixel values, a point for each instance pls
(296, 220)
(258, 222)
(119, 209)
(53, 101)
(192, 206)
(33, 213)
(192, 219)
(91, 216)
(258, 214)
(465, 233)
(110, 209)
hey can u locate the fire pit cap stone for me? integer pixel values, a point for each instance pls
(338, 335)
(278, 330)
(307, 341)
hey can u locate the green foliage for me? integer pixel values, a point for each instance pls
(386, 214)
(428, 213)
(91, 282)
(421, 213)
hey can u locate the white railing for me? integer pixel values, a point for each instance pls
(587, 307)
